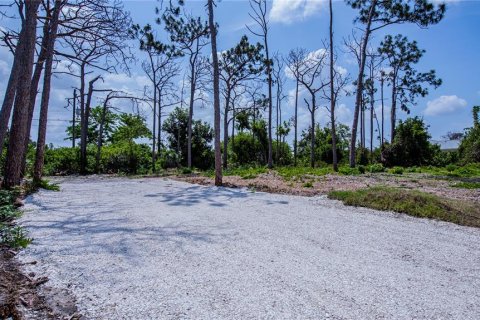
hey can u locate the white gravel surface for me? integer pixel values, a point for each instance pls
(161, 249)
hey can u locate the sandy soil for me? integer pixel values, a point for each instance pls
(163, 249)
(272, 182)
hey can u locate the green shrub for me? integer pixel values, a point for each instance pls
(14, 237)
(376, 167)
(451, 167)
(361, 169)
(347, 171)
(396, 170)
(467, 185)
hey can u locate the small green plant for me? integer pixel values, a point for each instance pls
(47, 185)
(362, 169)
(451, 167)
(396, 170)
(186, 171)
(308, 184)
(14, 237)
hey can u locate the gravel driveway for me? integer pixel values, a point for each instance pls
(161, 249)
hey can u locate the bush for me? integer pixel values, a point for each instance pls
(376, 167)
(347, 171)
(361, 169)
(61, 161)
(396, 170)
(411, 146)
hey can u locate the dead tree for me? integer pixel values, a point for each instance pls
(259, 15)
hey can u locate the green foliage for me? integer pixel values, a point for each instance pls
(176, 127)
(396, 170)
(126, 157)
(308, 184)
(376, 167)
(11, 235)
(14, 237)
(467, 185)
(246, 149)
(47, 185)
(469, 149)
(414, 203)
(347, 171)
(294, 173)
(361, 169)
(245, 172)
(61, 161)
(411, 146)
(323, 144)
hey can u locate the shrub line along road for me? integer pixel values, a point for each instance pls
(161, 249)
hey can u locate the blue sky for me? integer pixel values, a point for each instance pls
(452, 49)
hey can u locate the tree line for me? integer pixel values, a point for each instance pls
(245, 84)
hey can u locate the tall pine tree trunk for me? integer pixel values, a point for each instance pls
(332, 95)
(295, 141)
(42, 128)
(359, 91)
(16, 147)
(216, 95)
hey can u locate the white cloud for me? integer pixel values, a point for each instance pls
(289, 11)
(444, 105)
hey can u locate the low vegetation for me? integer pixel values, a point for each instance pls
(11, 235)
(411, 202)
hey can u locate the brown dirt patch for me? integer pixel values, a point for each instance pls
(25, 296)
(309, 185)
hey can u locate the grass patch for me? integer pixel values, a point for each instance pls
(467, 185)
(47, 185)
(293, 173)
(414, 203)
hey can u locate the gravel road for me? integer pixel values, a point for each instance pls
(161, 249)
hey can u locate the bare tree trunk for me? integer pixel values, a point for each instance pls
(225, 133)
(269, 78)
(190, 113)
(216, 95)
(393, 113)
(42, 128)
(74, 115)
(358, 98)
(332, 95)
(84, 132)
(383, 114)
(37, 73)
(233, 125)
(100, 137)
(16, 148)
(154, 124)
(295, 141)
(159, 133)
(372, 115)
(312, 141)
(11, 89)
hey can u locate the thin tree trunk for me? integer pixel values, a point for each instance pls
(74, 115)
(332, 95)
(47, 78)
(383, 113)
(358, 98)
(296, 129)
(11, 89)
(16, 148)
(393, 113)
(84, 133)
(193, 83)
(37, 73)
(225, 133)
(269, 78)
(216, 95)
(100, 136)
(154, 125)
(159, 132)
(312, 141)
(233, 125)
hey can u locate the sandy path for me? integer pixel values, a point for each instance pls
(161, 249)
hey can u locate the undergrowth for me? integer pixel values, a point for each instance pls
(11, 235)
